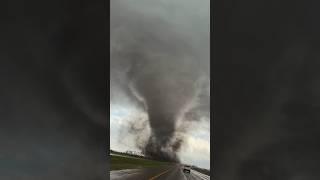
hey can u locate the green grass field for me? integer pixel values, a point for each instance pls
(120, 162)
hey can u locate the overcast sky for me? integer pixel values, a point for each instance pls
(190, 19)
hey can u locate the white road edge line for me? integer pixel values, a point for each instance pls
(202, 176)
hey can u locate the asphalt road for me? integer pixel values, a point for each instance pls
(164, 173)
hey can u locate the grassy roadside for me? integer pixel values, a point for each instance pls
(120, 162)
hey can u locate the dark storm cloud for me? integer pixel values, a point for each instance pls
(266, 90)
(52, 90)
(161, 65)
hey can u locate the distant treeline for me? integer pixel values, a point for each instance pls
(135, 155)
(129, 154)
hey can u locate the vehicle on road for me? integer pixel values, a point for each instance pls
(186, 169)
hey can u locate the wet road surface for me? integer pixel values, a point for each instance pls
(163, 173)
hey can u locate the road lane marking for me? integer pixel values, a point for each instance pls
(156, 176)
